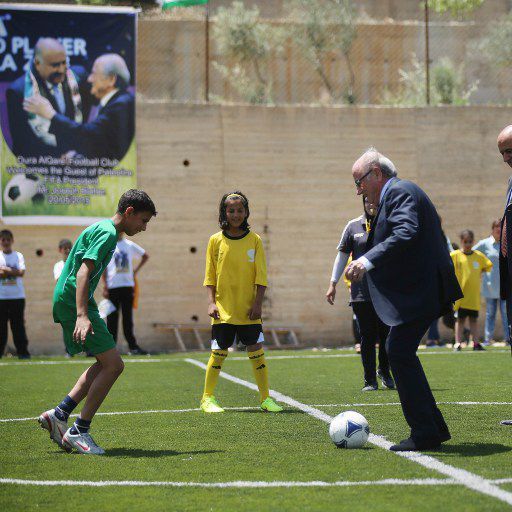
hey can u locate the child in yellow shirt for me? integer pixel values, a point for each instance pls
(469, 266)
(236, 280)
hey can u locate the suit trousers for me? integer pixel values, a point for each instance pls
(13, 311)
(122, 298)
(373, 331)
(418, 402)
(509, 319)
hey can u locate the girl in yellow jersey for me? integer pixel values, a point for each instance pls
(236, 280)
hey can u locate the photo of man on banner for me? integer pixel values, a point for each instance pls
(110, 133)
(67, 112)
(48, 77)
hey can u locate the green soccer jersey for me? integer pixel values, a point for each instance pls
(96, 243)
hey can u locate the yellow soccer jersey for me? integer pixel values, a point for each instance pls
(235, 266)
(468, 269)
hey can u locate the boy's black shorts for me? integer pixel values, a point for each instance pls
(224, 335)
(462, 313)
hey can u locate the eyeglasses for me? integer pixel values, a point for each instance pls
(360, 180)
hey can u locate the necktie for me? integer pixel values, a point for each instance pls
(59, 98)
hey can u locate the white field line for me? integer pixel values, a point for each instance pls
(236, 484)
(88, 361)
(463, 477)
(232, 358)
(121, 413)
(177, 411)
(327, 356)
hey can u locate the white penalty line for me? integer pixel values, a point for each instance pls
(328, 356)
(177, 411)
(460, 476)
(232, 358)
(89, 361)
(236, 484)
(239, 483)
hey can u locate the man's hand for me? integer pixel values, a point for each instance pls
(255, 311)
(40, 106)
(355, 272)
(331, 293)
(83, 327)
(213, 311)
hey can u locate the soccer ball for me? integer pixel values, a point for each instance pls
(349, 430)
(23, 189)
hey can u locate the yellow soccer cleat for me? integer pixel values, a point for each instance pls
(269, 405)
(210, 404)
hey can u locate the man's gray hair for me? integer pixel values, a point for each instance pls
(373, 157)
(114, 65)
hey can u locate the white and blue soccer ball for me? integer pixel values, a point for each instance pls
(23, 189)
(349, 430)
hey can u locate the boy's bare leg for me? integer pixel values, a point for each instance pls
(111, 366)
(81, 388)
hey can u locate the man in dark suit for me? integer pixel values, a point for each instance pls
(505, 148)
(111, 133)
(50, 78)
(411, 280)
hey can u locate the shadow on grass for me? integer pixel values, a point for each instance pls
(473, 449)
(138, 452)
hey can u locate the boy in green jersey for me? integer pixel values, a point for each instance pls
(75, 309)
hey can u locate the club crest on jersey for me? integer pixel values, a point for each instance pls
(251, 253)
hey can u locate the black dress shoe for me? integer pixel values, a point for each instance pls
(444, 436)
(409, 445)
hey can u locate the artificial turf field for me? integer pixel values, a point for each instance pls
(165, 454)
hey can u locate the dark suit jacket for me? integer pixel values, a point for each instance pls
(506, 263)
(109, 135)
(24, 141)
(413, 276)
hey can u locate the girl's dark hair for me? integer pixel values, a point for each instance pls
(223, 219)
(467, 233)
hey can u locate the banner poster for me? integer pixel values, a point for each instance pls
(67, 112)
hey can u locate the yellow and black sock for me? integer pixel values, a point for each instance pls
(260, 370)
(213, 368)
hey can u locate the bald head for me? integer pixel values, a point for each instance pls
(50, 60)
(505, 144)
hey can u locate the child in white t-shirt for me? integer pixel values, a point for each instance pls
(64, 249)
(12, 296)
(119, 288)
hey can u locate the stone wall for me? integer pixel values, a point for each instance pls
(294, 164)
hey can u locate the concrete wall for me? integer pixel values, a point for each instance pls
(294, 164)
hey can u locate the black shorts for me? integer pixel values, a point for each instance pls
(224, 335)
(462, 313)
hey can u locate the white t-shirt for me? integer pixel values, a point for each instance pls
(11, 287)
(120, 268)
(57, 269)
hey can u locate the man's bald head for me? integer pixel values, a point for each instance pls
(505, 144)
(50, 60)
